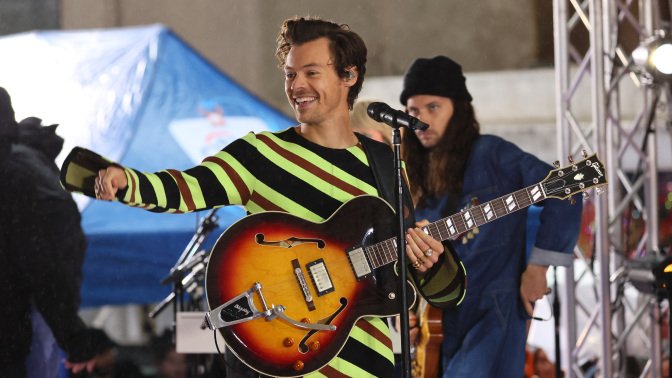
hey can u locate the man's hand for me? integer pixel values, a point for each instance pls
(422, 250)
(104, 359)
(108, 182)
(413, 327)
(533, 286)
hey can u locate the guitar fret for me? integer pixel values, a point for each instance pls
(426, 230)
(522, 198)
(499, 207)
(468, 219)
(386, 253)
(460, 223)
(536, 193)
(382, 253)
(438, 235)
(479, 216)
(391, 253)
(489, 211)
(510, 202)
(376, 256)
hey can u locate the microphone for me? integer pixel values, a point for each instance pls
(384, 113)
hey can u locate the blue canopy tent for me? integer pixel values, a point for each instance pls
(143, 97)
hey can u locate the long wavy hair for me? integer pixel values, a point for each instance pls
(440, 170)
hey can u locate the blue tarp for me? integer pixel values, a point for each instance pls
(143, 97)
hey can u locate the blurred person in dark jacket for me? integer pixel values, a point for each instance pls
(42, 248)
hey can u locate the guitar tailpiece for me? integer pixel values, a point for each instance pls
(237, 310)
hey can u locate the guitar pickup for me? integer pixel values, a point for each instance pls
(320, 277)
(359, 263)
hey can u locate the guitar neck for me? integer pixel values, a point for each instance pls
(453, 226)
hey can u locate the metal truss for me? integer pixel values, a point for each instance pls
(602, 326)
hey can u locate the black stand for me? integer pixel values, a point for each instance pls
(190, 259)
(185, 277)
(401, 248)
(669, 321)
(556, 322)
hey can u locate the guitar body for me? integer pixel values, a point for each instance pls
(267, 248)
(428, 350)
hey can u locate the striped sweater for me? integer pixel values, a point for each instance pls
(282, 171)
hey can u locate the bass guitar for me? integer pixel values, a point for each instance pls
(285, 292)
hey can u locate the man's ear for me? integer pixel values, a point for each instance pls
(350, 75)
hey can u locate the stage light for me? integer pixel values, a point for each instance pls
(662, 58)
(653, 58)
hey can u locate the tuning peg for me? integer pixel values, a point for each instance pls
(584, 153)
(572, 200)
(571, 159)
(586, 196)
(556, 164)
(599, 190)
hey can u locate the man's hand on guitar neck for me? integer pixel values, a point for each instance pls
(423, 251)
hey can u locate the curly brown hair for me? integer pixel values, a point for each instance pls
(347, 47)
(440, 170)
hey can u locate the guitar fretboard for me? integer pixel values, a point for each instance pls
(452, 227)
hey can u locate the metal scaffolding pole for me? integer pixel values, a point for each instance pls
(609, 317)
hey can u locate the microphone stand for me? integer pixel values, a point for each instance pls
(194, 261)
(206, 226)
(401, 248)
(556, 323)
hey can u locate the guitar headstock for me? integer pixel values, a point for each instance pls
(575, 178)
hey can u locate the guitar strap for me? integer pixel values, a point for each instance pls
(381, 161)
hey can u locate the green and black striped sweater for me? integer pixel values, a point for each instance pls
(283, 171)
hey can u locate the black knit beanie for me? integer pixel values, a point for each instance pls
(438, 76)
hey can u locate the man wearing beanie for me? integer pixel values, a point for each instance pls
(451, 167)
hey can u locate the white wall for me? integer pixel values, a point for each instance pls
(520, 106)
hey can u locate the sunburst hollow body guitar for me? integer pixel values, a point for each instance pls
(285, 293)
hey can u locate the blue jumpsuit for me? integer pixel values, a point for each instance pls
(485, 336)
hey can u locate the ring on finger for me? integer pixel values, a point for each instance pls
(416, 264)
(429, 252)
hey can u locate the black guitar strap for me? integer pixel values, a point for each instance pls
(381, 160)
